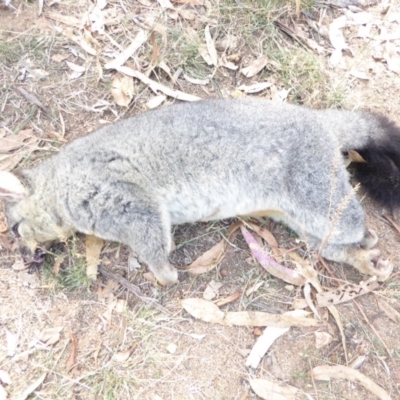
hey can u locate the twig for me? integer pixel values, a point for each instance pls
(133, 289)
(379, 337)
(32, 99)
(395, 226)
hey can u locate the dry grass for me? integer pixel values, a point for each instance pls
(209, 361)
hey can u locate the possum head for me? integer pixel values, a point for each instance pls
(31, 212)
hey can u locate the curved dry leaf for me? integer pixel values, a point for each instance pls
(255, 67)
(326, 372)
(138, 41)
(208, 260)
(392, 57)
(64, 19)
(72, 357)
(359, 75)
(211, 46)
(204, 310)
(93, 250)
(335, 34)
(258, 318)
(269, 390)
(155, 86)
(75, 67)
(346, 292)
(307, 297)
(256, 87)
(122, 89)
(269, 264)
(196, 81)
(207, 311)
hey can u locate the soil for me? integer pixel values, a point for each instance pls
(208, 361)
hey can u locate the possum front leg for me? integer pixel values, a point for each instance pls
(134, 218)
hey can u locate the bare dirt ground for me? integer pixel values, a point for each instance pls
(62, 336)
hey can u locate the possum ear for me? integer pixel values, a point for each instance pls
(11, 188)
(355, 156)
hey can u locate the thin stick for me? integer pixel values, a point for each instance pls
(378, 336)
(133, 289)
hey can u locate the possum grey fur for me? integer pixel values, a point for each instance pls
(131, 180)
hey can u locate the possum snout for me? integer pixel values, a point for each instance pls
(32, 257)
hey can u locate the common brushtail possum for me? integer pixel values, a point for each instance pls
(131, 180)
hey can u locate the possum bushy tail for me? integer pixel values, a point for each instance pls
(380, 174)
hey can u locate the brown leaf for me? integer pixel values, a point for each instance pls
(255, 67)
(122, 89)
(93, 250)
(56, 267)
(326, 372)
(267, 236)
(207, 311)
(229, 299)
(156, 51)
(346, 292)
(72, 357)
(256, 87)
(208, 260)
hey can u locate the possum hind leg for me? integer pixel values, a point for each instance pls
(353, 244)
(137, 220)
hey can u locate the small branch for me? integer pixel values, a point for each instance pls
(132, 288)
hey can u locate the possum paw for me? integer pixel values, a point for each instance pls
(166, 275)
(369, 262)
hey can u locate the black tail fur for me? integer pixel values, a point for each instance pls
(380, 175)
